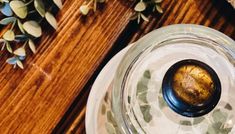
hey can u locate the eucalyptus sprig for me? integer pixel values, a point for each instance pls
(141, 6)
(22, 24)
(89, 5)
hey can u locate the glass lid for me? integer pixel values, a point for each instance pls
(177, 79)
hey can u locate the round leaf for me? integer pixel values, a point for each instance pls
(22, 57)
(32, 46)
(19, 64)
(58, 3)
(7, 1)
(101, 1)
(39, 6)
(20, 25)
(6, 10)
(159, 9)
(20, 52)
(144, 17)
(21, 38)
(12, 60)
(9, 49)
(19, 8)
(9, 35)
(84, 9)
(158, 1)
(140, 7)
(109, 128)
(7, 20)
(51, 20)
(33, 28)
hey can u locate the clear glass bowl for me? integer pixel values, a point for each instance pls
(137, 99)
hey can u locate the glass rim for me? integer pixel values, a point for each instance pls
(151, 39)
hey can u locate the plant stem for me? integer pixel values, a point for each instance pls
(25, 43)
(29, 2)
(3, 46)
(90, 2)
(40, 20)
(13, 24)
(95, 5)
(33, 11)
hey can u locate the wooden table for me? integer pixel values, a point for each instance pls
(50, 94)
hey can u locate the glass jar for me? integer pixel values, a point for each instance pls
(138, 100)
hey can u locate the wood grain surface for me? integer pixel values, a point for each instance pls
(50, 94)
(35, 99)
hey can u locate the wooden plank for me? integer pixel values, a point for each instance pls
(33, 100)
(216, 14)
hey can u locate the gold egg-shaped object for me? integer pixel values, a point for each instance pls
(193, 84)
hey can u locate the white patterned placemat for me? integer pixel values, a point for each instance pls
(99, 117)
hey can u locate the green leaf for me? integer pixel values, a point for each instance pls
(140, 7)
(101, 1)
(219, 116)
(134, 16)
(106, 97)
(143, 97)
(19, 63)
(225, 130)
(129, 99)
(145, 109)
(12, 60)
(6, 10)
(9, 35)
(111, 119)
(58, 3)
(84, 9)
(19, 8)
(51, 20)
(142, 86)
(103, 109)
(22, 58)
(157, 1)
(20, 52)
(185, 123)
(144, 17)
(9, 49)
(32, 46)
(228, 106)
(198, 120)
(32, 28)
(159, 9)
(39, 6)
(109, 128)
(218, 128)
(147, 74)
(2, 1)
(21, 38)
(20, 25)
(7, 20)
(211, 130)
